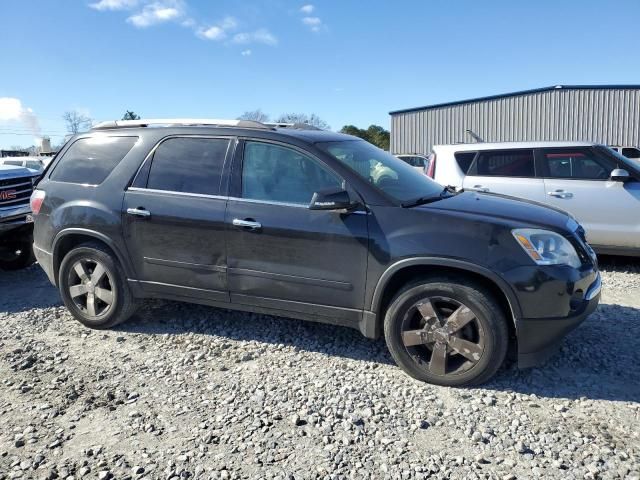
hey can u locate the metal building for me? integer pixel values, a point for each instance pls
(608, 114)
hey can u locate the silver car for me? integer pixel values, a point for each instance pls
(596, 184)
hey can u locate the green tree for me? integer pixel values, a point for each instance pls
(129, 115)
(375, 134)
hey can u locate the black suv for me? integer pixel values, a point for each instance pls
(315, 225)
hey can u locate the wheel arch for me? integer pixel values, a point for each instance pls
(70, 238)
(403, 271)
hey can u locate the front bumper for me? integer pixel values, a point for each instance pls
(540, 338)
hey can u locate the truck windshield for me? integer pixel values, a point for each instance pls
(386, 172)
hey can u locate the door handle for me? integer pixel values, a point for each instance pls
(561, 194)
(247, 224)
(480, 188)
(139, 212)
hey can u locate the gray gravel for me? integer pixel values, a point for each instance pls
(184, 391)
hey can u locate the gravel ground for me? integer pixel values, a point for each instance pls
(184, 391)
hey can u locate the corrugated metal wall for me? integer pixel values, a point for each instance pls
(610, 116)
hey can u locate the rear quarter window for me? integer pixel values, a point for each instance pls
(91, 160)
(465, 160)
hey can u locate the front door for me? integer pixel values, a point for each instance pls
(578, 181)
(280, 253)
(174, 219)
(509, 172)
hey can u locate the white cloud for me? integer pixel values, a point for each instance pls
(212, 33)
(157, 12)
(246, 53)
(114, 4)
(12, 110)
(261, 35)
(219, 31)
(307, 9)
(314, 23)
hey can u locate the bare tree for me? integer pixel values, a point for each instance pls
(76, 122)
(255, 115)
(312, 119)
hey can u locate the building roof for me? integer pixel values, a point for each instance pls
(522, 92)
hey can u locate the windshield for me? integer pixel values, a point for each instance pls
(388, 173)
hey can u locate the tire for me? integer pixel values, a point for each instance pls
(422, 334)
(19, 256)
(91, 271)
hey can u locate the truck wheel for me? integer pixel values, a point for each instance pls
(446, 331)
(17, 255)
(94, 287)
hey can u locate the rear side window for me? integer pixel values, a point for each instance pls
(188, 165)
(465, 159)
(506, 163)
(91, 160)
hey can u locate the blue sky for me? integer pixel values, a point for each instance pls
(349, 62)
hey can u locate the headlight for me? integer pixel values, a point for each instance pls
(547, 248)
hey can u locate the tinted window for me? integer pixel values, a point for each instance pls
(576, 163)
(388, 173)
(188, 165)
(465, 159)
(506, 163)
(15, 163)
(631, 152)
(414, 161)
(91, 160)
(279, 174)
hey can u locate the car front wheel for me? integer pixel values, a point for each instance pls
(447, 332)
(94, 287)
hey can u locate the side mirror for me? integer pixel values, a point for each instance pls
(332, 199)
(620, 175)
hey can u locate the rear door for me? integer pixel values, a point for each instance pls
(283, 255)
(174, 218)
(509, 172)
(577, 180)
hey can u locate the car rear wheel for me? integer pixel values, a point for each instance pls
(94, 288)
(447, 332)
(15, 256)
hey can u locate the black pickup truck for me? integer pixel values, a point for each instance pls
(16, 223)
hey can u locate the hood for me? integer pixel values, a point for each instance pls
(12, 171)
(516, 210)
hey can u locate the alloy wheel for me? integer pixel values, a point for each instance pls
(443, 336)
(91, 288)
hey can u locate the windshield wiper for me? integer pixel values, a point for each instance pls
(424, 200)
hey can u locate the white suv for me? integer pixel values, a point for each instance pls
(596, 184)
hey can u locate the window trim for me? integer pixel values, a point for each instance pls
(140, 180)
(238, 170)
(544, 167)
(473, 169)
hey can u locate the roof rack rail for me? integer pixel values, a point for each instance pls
(295, 126)
(147, 122)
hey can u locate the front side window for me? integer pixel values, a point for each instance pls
(188, 165)
(388, 173)
(506, 163)
(90, 160)
(631, 153)
(279, 174)
(583, 164)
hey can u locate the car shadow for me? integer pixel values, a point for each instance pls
(599, 360)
